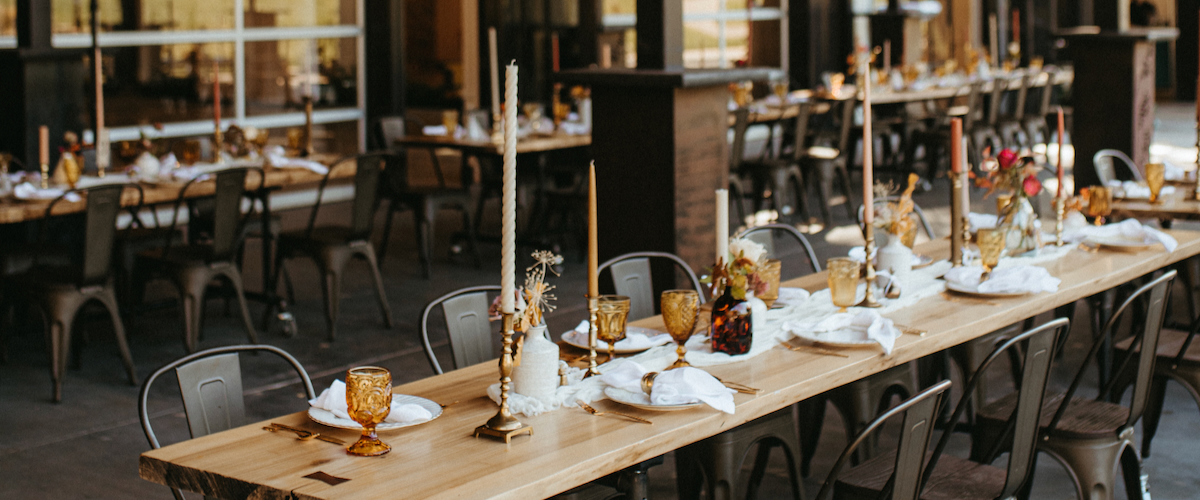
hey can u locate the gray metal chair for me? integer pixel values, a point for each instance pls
(210, 384)
(947, 476)
(823, 166)
(918, 414)
(193, 266)
(765, 236)
(1035, 123)
(468, 329)
(1091, 437)
(1107, 161)
(781, 176)
(60, 291)
(632, 278)
(332, 247)
(926, 227)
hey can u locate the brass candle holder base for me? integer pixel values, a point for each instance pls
(218, 147)
(593, 333)
(869, 249)
(504, 425)
(45, 168)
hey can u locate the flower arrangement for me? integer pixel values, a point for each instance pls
(741, 275)
(896, 217)
(1008, 171)
(533, 300)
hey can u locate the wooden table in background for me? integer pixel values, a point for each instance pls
(441, 459)
(1174, 206)
(533, 144)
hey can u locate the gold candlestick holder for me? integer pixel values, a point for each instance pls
(1060, 208)
(497, 128)
(869, 298)
(504, 425)
(593, 333)
(218, 147)
(45, 175)
(957, 242)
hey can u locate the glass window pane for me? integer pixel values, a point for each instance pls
(620, 6)
(280, 73)
(166, 83)
(73, 16)
(8, 17)
(735, 42)
(700, 6)
(700, 44)
(293, 13)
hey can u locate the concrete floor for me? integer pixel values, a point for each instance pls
(87, 446)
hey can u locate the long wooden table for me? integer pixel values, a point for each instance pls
(1174, 206)
(531, 144)
(441, 459)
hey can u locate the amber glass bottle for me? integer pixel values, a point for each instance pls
(731, 332)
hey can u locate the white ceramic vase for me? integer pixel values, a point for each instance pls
(895, 257)
(537, 375)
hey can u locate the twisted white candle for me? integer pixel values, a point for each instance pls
(508, 238)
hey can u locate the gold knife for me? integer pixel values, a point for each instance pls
(322, 437)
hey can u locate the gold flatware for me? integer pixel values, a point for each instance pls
(744, 389)
(304, 435)
(598, 413)
(911, 331)
(816, 350)
(1089, 248)
(444, 406)
(968, 300)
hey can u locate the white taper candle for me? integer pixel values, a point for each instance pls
(508, 256)
(722, 226)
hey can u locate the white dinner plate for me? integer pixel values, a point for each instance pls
(580, 340)
(920, 261)
(838, 338)
(970, 290)
(642, 402)
(326, 417)
(1122, 243)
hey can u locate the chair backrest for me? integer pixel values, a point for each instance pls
(765, 236)
(737, 150)
(801, 130)
(1039, 345)
(631, 278)
(369, 167)
(1156, 294)
(973, 105)
(925, 225)
(1022, 94)
(210, 383)
(94, 253)
(224, 207)
(999, 85)
(846, 123)
(388, 129)
(1106, 162)
(1050, 74)
(918, 414)
(467, 326)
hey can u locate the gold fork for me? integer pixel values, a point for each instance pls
(598, 413)
(816, 350)
(911, 331)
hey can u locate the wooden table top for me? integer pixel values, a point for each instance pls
(905, 96)
(441, 459)
(533, 144)
(1174, 206)
(167, 191)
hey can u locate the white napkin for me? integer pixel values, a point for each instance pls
(434, 130)
(1136, 191)
(981, 221)
(792, 296)
(866, 323)
(333, 399)
(573, 128)
(1126, 230)
(673, 387)
(632, 340)
(1173, 173)
(860, 254)
(27, 191)
(1015, 279)
(167, 162)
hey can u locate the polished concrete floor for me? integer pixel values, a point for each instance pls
(87, 446)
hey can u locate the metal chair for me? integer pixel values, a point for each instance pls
(332, 247)
(1091, 437)
(1011, 126)
(947, 476)
(60, 291)
(632, 278)
(765, 236)
(918, 414)
(823, 164)
(782, 176)
(926, 227)
(206, 257)
(467, 327)
(737, 152)
(210, 384)
(1106, 167)
(1035, 123)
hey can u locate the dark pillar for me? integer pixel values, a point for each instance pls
(384, 23)
(660, 34)
(1187, 49)
(1113, 94)
(1111, 15)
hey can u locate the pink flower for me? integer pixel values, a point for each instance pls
(1031, 185)
(1007, 158)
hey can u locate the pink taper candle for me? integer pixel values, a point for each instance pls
(1059, 194)
(216, 75)
(867, 154)
(43, 145)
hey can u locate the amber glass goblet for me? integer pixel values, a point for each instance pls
(189, 152)
(843, 281)
(1099, 203)
(991, 243)
(295, 138)
(769, 272)
(679, 308)
(368, 400)
(612, 311)
(1155, 177)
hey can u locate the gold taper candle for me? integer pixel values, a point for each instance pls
(508, 232)
(1060, 192)
(593, 257)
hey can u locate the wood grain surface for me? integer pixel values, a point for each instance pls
(569, 447)
(535, 144)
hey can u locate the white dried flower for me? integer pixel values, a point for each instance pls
(744, 248)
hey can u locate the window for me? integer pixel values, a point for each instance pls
(716, 33)
(159, 57)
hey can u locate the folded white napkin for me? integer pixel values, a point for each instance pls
(1173, 173)
(860, 254)
(1130, 230)
(632, 340)
(792, 296)
(1015, 279)
(673, 387)
(1136, 191)
(167, 162)
(861, 325)
(333, 399)
(27, 191)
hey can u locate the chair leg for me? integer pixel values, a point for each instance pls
(845, 177)
(1153, 412)
(235, 279)
(380, 294)
(424, 224)
(109, 299)
(1135, 481)
(333, 294)
(472, 237)
(59, 350)
(823, 187)
(812, 418)
(761, 458)
(192, 294)
(387, 231)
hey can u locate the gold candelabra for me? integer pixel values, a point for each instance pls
(869, 298)
(957, 242)
(593, 333)
(504, 425)
(1060, 208)
(45, 176)
(218, 146)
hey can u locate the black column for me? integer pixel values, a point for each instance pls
(660, 34)
(1187, 52)
(384, 24)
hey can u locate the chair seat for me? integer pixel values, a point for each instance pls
(188, 256)
(1169, 343)
(42, 278)
(319, 237)
(822, 153)
(1084, 419)
(953, 479)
